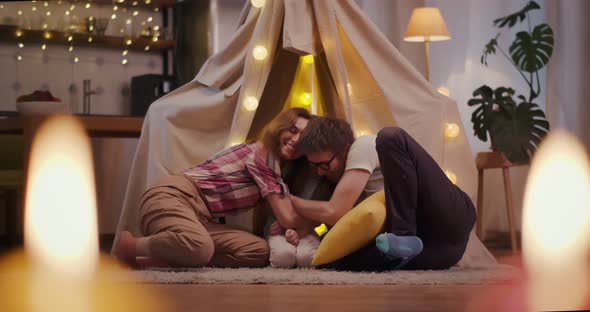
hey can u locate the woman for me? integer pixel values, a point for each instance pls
(176, 216)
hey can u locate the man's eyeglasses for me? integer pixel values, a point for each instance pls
(324, 165)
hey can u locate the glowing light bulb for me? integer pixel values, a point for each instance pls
(308, 59)
(115, 8)
(451, 176)
(259, 52)
(128, 21)
(48, 13)
(306, 98)
(18, 33)
(70, 49)
(76, 60)
(124, 61)
(147, 48)
(70, 38)
(257, 3)
(114, 16)
(135, 13)
(88, 5)
(19, 58)
(443, 90)
(19, 12)
(349, 87)
(43, 46)
(21, 45)
(128, 42)
(251, 103)
(149, 19)
(125, 52)
(89, 39)
(67, 13)
(451, 130)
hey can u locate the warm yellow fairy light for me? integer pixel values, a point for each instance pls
(48, 13)
(76, 60)
(451, 176)
(47, 35)
(349, 87)
(147, 48)
(135, 13)
(306, 98)
(72, 7)
(45, 26)
(125, 52)
(155, 39)
(156, 27)
(257, 3)
(19, 58)
(149, 19)
(251, 103)
(156, 10)
(89, 39)
(34, 9)
(21, 45)
(124, 61)
(88, 5)
(443, 90)
(18, 33)
(148, 1)
(115, 8)
(1, 6)
(70, 49)
(43, 46)
(128, 21)
(68, 13)
(128, 42)
(308, 59)
(451, 130)
(19, 12)
(70, 38)
(45, 4)
(259, 52)
(134, 3)
(114, 16)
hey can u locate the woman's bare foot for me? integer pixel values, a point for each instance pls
(126, 249)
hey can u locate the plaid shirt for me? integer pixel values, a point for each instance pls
(236, 178)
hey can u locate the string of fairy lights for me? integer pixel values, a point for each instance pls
(74, 17)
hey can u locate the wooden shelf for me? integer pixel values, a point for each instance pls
(9, 34)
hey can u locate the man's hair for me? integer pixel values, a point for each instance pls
(270, 135)
(325, 133)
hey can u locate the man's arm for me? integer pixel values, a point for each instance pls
(347, 192)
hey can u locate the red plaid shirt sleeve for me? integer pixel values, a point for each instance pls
(267, 180)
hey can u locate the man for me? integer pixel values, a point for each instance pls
(428, 218)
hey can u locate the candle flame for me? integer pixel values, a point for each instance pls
(556, 224)
(60, 219)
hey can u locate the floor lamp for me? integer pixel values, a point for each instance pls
(426, 24)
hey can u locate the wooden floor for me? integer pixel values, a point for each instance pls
(316, 298)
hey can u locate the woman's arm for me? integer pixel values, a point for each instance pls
(285, 213)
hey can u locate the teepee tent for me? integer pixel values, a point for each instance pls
(357, 73)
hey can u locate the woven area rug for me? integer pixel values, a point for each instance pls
(455, 276)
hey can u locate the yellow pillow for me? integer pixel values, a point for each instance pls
(354, 230)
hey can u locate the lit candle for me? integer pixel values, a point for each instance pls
(60, 270)
(555, 273)
(556, 225)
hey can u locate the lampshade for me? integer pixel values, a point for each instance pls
(426, 24)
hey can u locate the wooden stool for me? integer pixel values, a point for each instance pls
(493, 160)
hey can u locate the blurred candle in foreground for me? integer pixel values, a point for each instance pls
(556, 225)
(60, 269)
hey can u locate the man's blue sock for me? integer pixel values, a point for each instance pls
(399, 247)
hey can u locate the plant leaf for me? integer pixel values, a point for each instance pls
(518, 137)
(485, 104)
(514, 17)
(531, 53)
(490, 48)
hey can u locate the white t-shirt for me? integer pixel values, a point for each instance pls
(363, 155)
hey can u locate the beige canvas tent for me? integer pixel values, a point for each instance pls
(361, 76)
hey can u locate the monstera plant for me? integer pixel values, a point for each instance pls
(515, 126)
